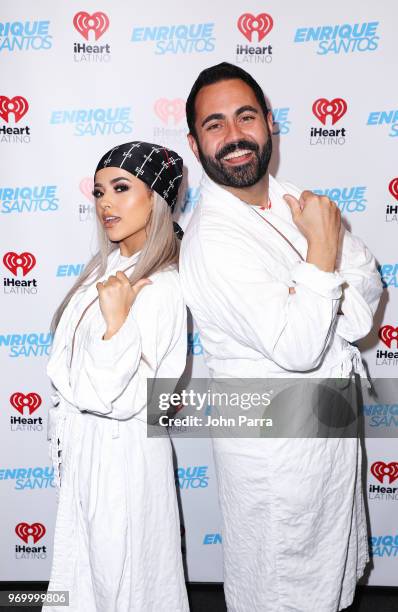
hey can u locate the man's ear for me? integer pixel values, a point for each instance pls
(270, 121)
(194, 145)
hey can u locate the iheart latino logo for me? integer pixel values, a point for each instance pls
(97, 22)
(25, 261)
(393, 188)
(24, 530)
(335, 108)
(262, 24)
(388, 334)
(380, 469)
(170, 109)
(86, 186)
(19, 401)
(17, 105)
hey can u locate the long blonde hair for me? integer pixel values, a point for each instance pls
(160, 250)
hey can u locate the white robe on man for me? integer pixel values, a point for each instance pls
(293, 518)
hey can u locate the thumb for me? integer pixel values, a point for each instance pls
(140, 284)
(293, 204)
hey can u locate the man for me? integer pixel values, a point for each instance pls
(277, 288)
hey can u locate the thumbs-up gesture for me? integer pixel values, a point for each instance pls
(116, 296)
(318, 218)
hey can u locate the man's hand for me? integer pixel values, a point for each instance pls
(319, 220)
(116, 296)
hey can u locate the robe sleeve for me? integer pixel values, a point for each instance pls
(113, 377)
(256, 310)
(361, 290)
(362, 286)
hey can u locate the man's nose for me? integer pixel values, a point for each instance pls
(233, 132)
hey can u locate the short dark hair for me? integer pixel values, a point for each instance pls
(214, 74)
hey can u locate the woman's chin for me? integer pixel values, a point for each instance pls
(113, 234)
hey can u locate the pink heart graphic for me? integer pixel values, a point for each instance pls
(86, 186)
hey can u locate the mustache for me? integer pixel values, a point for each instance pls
(231, 147)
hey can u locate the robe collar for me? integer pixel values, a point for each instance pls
(216, 197)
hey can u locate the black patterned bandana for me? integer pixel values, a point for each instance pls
(158, 167)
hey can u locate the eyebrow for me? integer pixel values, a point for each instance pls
(239, 111)
(244, 109)
(115, 180)
(212, 117)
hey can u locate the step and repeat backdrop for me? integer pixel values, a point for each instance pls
(81, 76)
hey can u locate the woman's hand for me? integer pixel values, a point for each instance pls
(116, 296)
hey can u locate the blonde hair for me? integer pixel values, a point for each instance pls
(160, 250)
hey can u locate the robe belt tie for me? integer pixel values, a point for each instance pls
(352, 364)
(115, 429)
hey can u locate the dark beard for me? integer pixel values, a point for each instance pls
(245, 175)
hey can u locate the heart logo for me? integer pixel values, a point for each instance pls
(336, 108)
(388, 334)
(26, 261)
(24, 530)
(19, 401)
(167, 109)
(380, 469)
(84, 22)
(86, 186)
(17, 105)
(393, 188)
(262, 24)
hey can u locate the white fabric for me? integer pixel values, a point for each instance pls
(294, 528)
(117, 545)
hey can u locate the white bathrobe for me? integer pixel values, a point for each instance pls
(117, 545)
(294, 526)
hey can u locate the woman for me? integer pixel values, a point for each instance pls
(117, 541)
